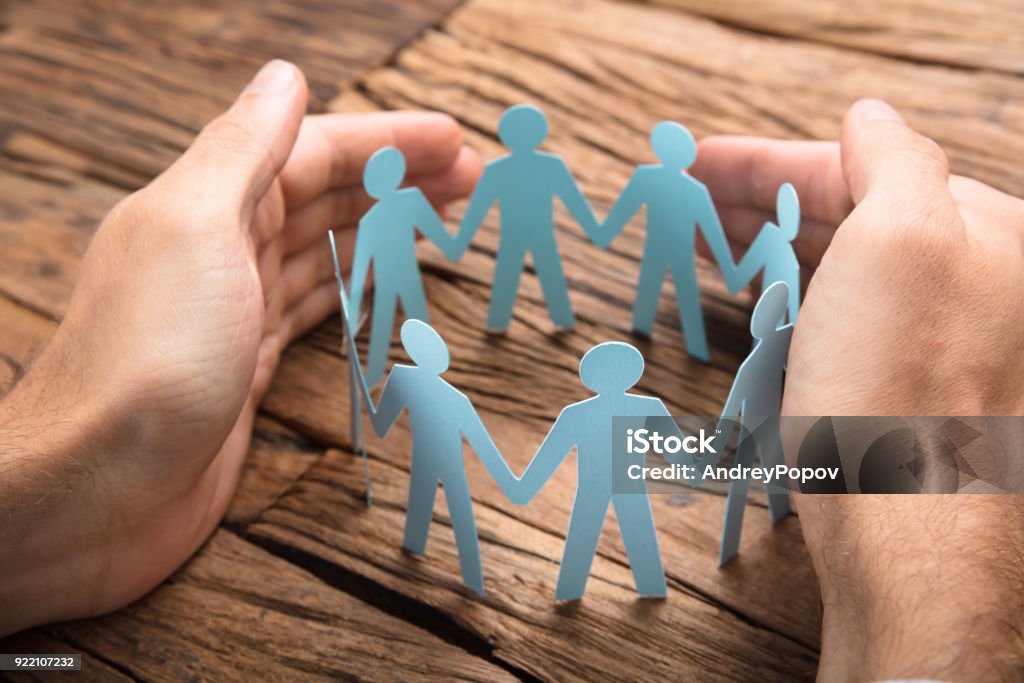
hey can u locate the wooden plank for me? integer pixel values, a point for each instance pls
(606, 72)
(131, 83)
(982, 35)
(45, 227)
(279, 623)
(97, 99)
(610, 635)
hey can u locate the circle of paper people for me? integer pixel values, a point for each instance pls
(524, 183)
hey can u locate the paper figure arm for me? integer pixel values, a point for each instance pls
(714, 235)
(433, 229)
(392, 403)
(568, 190)
(788, 332)
(752, 261)
(731, 413)
(552, 452)
(482, 443)
(626, 206)
(484, 196)
(657, 409)
(360, 267)
(383, 415)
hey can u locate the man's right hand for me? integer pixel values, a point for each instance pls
(917, 288)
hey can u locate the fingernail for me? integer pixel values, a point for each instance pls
(879, 110)
(274, 78)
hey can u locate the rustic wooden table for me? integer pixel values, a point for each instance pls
(302, 580)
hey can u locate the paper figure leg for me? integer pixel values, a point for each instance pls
(460, 509)
(414, 301)
(419, 509)
(771, 455)
(384, 304)
(580, 547)
(648, 293)
(736, 504)
(548, 265)
(355, 405)
(356, 416)
(690, 312)
(637, 524)
(506, 285)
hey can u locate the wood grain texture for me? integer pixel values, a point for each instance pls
(23, 333)
(610, 635)
(977, 35)
(97, 98)
(235, 612)
(37, 641)
(604, 87)
(277, 457)
(130, 83)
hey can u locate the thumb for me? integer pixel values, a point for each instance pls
(883, 157)
(242, 150)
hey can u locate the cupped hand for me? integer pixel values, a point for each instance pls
(188, 294)
(915, 306)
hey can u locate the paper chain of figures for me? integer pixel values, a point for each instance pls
(524, 183)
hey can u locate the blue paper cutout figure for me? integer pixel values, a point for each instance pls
(355, 412)
(387, 240)
(439, 416)
(676, 205)
(772, 250)
(609, 369)
(524, 183)
(755, 402)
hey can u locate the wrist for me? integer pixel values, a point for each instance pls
(57, 429)
(922, 587)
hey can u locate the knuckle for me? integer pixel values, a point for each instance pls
(766, 157)
(920, 156)
(225, 132)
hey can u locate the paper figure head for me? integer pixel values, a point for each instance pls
(787, 207)
(611, 367)
(769, 310)
(425, 346)
(674, 145)
(522, 127)
(384, 172)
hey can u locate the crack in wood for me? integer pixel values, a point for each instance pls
(120, 668)
(390, 602)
